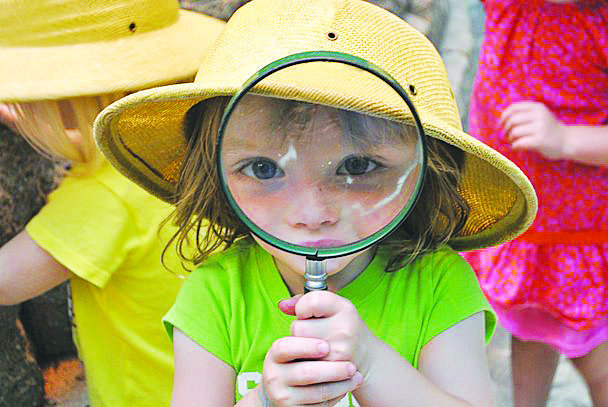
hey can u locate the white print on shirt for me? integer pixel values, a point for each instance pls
(247, 381)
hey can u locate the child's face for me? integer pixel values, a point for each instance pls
(312, 176)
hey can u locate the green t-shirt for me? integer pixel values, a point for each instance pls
(229, 305)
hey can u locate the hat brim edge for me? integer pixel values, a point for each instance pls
(125, 160)
(128, 64)
(135, 169)
(526, 203)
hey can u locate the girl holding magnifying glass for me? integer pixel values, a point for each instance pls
(322, 155)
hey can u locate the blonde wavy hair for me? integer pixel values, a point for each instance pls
(63, 129)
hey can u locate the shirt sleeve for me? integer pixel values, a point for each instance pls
(201, 311)
(456, 294)
(86, 227)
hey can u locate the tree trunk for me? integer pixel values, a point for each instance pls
(25, 180)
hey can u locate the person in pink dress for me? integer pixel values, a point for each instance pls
(540, 97)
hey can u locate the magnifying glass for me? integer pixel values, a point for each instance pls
(321, 167)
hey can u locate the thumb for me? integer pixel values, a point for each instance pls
(288, 305)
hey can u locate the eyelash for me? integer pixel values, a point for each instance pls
(248, 170)
(248, 167)
(368, 161)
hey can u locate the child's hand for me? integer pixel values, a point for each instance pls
(532, 126)
(334, 319)
(295, 375)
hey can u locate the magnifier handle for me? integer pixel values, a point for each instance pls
(316, 277)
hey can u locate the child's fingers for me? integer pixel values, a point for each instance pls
(524, 143)
(320, 304)
(330, 392)
(515, 120)
(507, 113)
(290, 348)
(310, 372)
(522, 106)
(524, 130)
(322, 393)
(520, 113)
(288, 306)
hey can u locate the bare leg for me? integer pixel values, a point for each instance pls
(533, 366)
(594, 369)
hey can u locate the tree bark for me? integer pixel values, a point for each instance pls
(25, 180)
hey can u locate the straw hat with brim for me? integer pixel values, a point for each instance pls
(53, 49)
(142, 134)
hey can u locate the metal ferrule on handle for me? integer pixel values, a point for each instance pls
(315, 275)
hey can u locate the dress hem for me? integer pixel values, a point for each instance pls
(532, 323)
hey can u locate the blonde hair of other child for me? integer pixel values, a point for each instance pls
(63, 129)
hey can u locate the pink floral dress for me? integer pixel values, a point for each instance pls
(550, 284)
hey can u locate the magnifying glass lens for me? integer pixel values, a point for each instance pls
(312, 175)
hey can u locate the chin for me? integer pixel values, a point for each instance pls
(297, 263)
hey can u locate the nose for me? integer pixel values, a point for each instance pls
(313, 208)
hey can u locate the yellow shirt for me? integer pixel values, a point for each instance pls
(104, 229)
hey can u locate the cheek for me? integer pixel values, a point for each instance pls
(382, 210)
(370, 223)
(260, 210)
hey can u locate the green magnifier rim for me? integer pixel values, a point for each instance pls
(314, 253)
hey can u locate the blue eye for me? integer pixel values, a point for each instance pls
(357, 165)
(262, 168)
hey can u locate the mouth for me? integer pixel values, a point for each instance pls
(323, 243)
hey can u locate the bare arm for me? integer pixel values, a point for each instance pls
(455, 360)
(200, 377)
(453, 372)
(532, 126)
(27, 270)
(586, 144)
